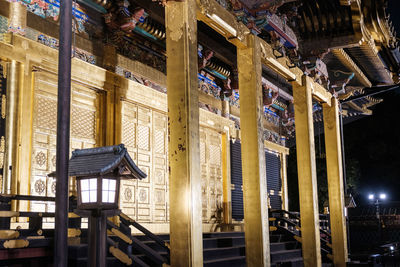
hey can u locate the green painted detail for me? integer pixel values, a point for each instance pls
(144, 33)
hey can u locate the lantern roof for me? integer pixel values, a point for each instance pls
(102, 160)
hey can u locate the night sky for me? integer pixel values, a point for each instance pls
(372, 144)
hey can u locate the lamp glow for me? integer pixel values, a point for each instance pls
(89, 190)
(382, 196)
(391, 248)
(371, 196)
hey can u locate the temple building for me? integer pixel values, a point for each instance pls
(207, 96)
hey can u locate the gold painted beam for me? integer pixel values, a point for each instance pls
(253, 155)
(222, 21)
(280, 66)
(320, 93)
(275, 147)
(307, 173)
(349, 63)
(335, 182)
(183, 146)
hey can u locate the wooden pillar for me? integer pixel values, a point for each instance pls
(307, 176)
(253, 155)
(183, 125)
(285, 197)
(14, 84)
(335, 182)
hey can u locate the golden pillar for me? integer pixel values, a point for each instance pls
(307, 176)
(285, 197)
(335, 182)
(253, 155)
(13, 84)
(183, 125)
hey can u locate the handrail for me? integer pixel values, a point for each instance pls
(7, 198)
(136, 243)
(128, 221)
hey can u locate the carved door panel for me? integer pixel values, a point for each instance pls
(144, 161)
(144, 132)
(127, 199)
(84, 125)
(211, 172)
(160, 167)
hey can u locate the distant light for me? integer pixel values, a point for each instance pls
(371, 196)
(382, 196)
(391, 248)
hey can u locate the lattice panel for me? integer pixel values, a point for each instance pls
(83, 122)
(144, 131)
(211, 173)
(46, 111)
(83, 132)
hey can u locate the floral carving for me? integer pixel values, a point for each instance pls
(40, 158)
(128, 194)
(142, 195)
(40, 186)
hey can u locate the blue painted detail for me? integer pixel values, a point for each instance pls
(219, 75)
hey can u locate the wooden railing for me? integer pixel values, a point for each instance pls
(289, 222)
(36, 236)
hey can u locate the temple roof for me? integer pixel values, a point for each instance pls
(103, 160)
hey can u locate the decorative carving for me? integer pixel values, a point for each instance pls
(53, 187)
(40, 186)
(128, 194)
(41, 158)
(54, 161)
(159, 196)
(142, 195)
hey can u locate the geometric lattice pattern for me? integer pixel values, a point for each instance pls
(83, 122)
(83, 132)
(46, 113)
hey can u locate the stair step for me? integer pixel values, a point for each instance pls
(220, 242)
(223, 234)
(282, 255)
(219, 253)
(238, 261)
(294, 262)
(282, 246)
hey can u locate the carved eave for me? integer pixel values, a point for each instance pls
(366, 55)
(349, 63)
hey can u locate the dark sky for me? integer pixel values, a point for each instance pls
(374, 141)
